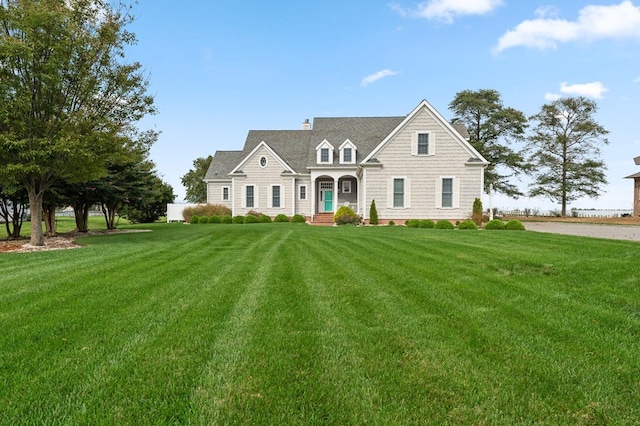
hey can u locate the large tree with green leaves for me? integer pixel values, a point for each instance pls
(193, 180)
(494, 130)
(564, 151)
(67, 93)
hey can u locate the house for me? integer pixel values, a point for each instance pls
(413, 166)
(636, 189)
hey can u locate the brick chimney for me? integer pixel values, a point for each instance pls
(306, 125)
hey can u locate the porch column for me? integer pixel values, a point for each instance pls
(335, 194)
(313, 197)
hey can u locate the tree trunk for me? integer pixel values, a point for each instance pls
(35, 204)
(18, 211)
(49, 217)
(81, 213)
(109, 213)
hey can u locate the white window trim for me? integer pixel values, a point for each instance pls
(306, 193)
(266, 161)
(455, 198)
(282, 197)
(406, 195)
(346, 189)
(431, 147)
(324, 144)
(348, 144)
(228, 193)
(255, 197)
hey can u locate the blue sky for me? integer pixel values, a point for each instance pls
(219, 68)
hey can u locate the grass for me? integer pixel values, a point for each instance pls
(290, 324)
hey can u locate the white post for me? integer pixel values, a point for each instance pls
(490, 201)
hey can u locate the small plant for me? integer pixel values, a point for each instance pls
(476, 215)
(203, 219)
(468, 224)
(281, 218)
(373, 213)
(264, 218)
(214, 218)
(205, 210)
(298, 218)
(194, 219)
(444, 224)
(345, 215)
(226, 219)
(426, 223)
(238, 219)
(514, 225)
(391, 223)
(250, 218)
(412, 223)
(494, 225)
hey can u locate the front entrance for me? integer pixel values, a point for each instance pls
(326, 197)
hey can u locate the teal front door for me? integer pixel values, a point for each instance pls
(328, 201)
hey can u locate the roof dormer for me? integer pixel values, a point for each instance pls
(324, 153)
(347, 152)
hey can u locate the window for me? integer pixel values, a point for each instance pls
(250, 195)
(423, 143)
(398, 192)
(275, 196)
(346, 155)
(263, 161)
(225, 193)
(302, 192)
(346, 186)
(447, 192)
(324, 155)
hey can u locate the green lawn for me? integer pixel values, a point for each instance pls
(290, 324)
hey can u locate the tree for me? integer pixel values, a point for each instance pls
(13, 201)
(65, 93)
(152, 202)
(193, 181)
(564, 151)
(493, 128)
(373, 213)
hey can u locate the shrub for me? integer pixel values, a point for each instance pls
(476, 215)
(194, 219)
(214, 218)
(391, 223)
(265, 218)
(345, 215)
(238, 219)
(226, 219)
(281, 218)
(203, 219)
(468, 224)
(205, 210)
(250, 218)
(426, 223)
(373, 213)
(514, 225)
(494, 225)
(444, 224)
(412, 223)
(298, 218)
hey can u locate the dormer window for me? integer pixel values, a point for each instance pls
(347, 152)
(324, 153)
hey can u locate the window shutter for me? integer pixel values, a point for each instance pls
(438, 193)
(255, 196)
(432, 143)
(414, 143)
(390, 192)
(456, 193)
(244, 197)
(407, 192)
(282, 197)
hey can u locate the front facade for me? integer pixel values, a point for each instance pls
(415, 166)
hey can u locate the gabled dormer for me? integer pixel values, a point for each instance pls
(347, 152)
(324, 153)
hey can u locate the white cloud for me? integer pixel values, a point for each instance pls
(593, 23)
(447, 10)
(593, 90)
(552, 96)
(377, 76)
(637, 80)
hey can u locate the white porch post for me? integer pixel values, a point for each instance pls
(293, 196)
(335, 194)
(313, 197)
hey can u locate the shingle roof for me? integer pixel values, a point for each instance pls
(222, 163)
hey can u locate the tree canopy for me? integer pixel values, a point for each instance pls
(68, 99)
(193, 183)
(564, 151)
(493, 130)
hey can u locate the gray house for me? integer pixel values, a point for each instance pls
(413, 166)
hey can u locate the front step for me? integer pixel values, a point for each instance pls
(323, 219)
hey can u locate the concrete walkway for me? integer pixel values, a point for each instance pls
(614, 232)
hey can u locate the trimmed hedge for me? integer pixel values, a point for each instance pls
(514, 225)
(426, 223)
(250, 219)
(281, 218)
(238, 219)
(203, 219)
(494, 225)
(391, 223)
(373, 213)
(412, 223)
(214, 218)
(345, 215)
(226, 219)
(264, 218)
(444, 224)
(468, 224)
(194, 219)
(298, 218)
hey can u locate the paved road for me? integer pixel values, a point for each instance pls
(614, 232)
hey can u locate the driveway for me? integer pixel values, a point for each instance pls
(614, 232)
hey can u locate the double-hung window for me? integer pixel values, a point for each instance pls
(324, 155)
(398, 192)
(275, 196)
(303, 192)
(423, 143)
(447, 192)
(250, 196)
(225, 193)
(346, 155)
